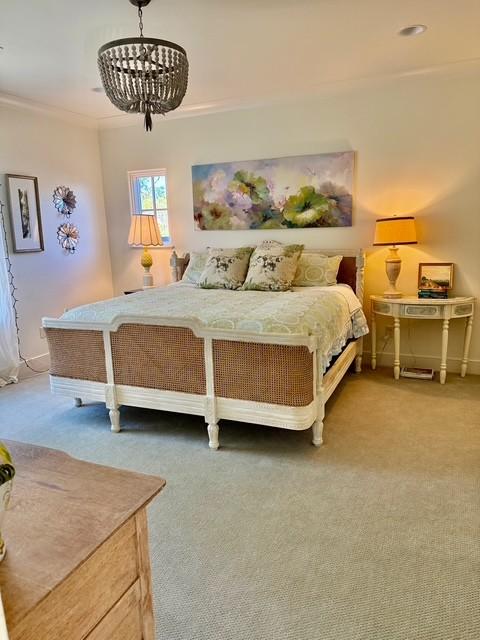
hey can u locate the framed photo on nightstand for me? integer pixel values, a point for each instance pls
(435, 275)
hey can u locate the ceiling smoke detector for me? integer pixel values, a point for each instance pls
(413, 30)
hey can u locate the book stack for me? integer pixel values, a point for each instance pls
(415, 372)
(438, 293)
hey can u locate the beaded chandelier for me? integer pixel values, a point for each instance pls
(143, 75)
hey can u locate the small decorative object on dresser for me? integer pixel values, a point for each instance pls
(7, 471)
(391, 232)
(423, 309)
(144, 232)
(435, 279)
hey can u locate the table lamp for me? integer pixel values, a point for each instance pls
(393, 231)
(144, 232)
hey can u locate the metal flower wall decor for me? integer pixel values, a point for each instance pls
(68, 236)
(64, 200)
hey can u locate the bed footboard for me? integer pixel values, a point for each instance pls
(171, 368)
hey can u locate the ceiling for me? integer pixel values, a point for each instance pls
(239, 50)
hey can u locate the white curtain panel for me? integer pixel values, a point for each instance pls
(9, 357)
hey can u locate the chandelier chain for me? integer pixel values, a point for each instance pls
(140, 20)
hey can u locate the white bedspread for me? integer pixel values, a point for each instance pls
(330, 316)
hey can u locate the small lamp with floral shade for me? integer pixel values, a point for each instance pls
(145, 232)
(392, 232)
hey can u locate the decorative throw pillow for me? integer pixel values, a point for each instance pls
(195, 266)
(225, 268)
(273, 267)
(317, 270)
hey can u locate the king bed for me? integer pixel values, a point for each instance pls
(268, 358)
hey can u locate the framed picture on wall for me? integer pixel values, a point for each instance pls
(25, 217)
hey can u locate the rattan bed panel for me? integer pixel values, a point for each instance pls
(272, 373)
(77, 353)
(157, 357)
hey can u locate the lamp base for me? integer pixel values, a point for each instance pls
(147, 279)
(392, 267)
(146, 263)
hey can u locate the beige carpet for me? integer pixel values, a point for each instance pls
(375, 536)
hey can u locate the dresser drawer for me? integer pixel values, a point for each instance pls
(123, 621)
(421, 311)
(78, 604)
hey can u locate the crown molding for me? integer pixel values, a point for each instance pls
(15, 102)
(236, 104)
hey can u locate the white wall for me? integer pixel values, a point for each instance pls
(417, 140)
(58, 153)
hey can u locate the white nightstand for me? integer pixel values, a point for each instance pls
(423, 309)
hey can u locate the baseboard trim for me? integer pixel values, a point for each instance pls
(40, 363)
(385, 359)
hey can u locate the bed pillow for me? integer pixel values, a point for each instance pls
(225, 268)
(273, 267)
(195, 266)
(317, 270)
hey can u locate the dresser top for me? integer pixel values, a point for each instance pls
(415, 300)
(61, 511)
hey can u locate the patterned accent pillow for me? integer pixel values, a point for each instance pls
(195, 267)
(317, 270)
(272, 268)
(225, 268)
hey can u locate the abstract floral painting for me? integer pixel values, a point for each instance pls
(283, 193)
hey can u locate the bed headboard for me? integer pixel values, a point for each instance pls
(351, 270)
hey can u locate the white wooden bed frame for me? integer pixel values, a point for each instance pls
(211, 407)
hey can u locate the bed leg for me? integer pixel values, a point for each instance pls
(114, 420)
(317, 431)
(358, 363)
(358, 357)
(78, 402)
(213, 442)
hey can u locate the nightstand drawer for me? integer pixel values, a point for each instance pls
(463, 309)
(382, 307)
(422, 311)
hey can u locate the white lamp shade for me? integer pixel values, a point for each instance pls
(395, 230)
(144, 231)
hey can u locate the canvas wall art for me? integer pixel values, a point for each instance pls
(25, 219)
(282, 193)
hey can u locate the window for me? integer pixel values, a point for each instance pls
(148, 196)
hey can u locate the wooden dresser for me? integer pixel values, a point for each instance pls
(77, 563)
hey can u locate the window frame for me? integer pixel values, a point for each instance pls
(134, 209)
